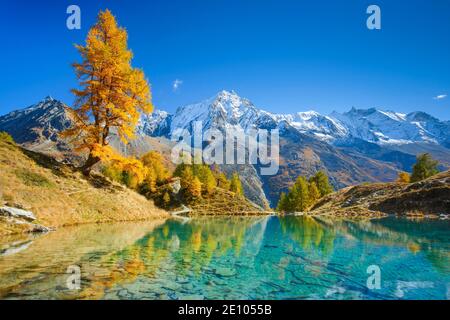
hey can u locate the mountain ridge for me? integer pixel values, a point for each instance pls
(372, 125)
(353, 149)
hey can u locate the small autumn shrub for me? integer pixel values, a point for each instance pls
(128, 171)
(403, 177)
(112, 172)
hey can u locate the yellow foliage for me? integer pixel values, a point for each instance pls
(166, 198)
(154, 161)
(150, 181)
(112, 93)
(195, 188)
(206, 177)
(403, 177)
(128, 171)
(314, 193)
(236, 185)
(222, 181)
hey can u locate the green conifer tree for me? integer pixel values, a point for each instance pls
(322, 183)
(314, 193)
(425, 167)
(282, 203)
(299, 195)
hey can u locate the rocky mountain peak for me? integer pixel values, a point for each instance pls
(48, 99)
(42, 120)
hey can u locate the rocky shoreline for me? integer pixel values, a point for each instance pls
(18, 220)
(429, 198)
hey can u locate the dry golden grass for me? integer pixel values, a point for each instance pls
(59, 195)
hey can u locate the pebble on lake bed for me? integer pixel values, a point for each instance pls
(225, 272)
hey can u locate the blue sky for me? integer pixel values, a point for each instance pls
(285, 56)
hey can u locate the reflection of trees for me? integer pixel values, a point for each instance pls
(51, 254)
(369, 232)
(429, 237)
(205, 238)
(117, 255)
(308, 233)
(440, 259)
(186, 247)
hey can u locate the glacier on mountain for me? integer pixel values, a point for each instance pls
(371, 125)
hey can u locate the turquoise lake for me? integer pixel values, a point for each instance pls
(232, 258)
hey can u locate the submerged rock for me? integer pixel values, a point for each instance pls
(225, 272)
(171, 286)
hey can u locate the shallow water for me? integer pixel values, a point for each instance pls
(232, 258)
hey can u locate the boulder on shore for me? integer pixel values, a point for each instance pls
(17, 213)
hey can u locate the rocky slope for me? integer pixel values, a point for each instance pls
(37, 128)
(427, 197)
(58, 195)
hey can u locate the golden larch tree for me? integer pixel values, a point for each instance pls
(236, 185)
(111, 94)
(195, 188)
(403, 177)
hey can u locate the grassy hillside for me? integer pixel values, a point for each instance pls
(428, 197)
(59, 195)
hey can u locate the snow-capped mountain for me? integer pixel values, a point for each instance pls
(322, 127)
(155, 124)
(387, 127)
(352, 147)
(371, 125)
(223, 110)
(228, 109)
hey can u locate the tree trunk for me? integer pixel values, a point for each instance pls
(90, 162)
